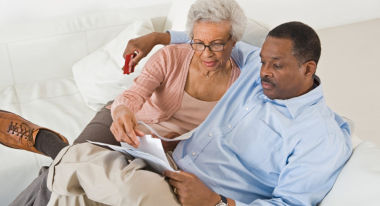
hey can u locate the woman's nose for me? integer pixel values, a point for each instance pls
(207, 52)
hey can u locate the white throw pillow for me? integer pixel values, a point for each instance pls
(254, 34)
(359, 181)
(99, 76)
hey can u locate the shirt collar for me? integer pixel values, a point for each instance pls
(296, 105)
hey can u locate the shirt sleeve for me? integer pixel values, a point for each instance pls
(246, 55)
(150, 78)
(178, 37)
(310, 173)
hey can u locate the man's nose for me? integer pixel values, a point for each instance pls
(266, 71)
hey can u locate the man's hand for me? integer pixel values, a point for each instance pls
(144, 44)
(190, 190)
(169, 146)
(124, 126)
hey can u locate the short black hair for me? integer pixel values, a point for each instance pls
(306, 43)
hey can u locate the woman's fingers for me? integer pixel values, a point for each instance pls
(130, 136)
(122, 132)
(138, 132)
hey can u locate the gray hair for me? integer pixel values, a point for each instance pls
(216, 11)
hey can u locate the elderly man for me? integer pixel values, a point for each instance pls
(271, 139)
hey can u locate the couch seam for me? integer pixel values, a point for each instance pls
(45, 80)
(77, 31)
(258, 24)
(50, 97)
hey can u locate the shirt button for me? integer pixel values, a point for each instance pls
(193, 153)
(229, 126)
(210, 134)
(246, 108)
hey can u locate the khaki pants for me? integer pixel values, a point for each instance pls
(85, 174)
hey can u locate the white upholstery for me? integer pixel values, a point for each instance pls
(359, 181)
(99, 76)
(36, 79)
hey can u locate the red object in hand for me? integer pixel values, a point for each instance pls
(129, 69)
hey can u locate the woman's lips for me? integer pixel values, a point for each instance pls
(209, 63)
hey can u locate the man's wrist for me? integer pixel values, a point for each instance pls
(231, 202)
(215, 199)
(162, 38)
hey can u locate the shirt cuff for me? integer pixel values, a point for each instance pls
(178, 37)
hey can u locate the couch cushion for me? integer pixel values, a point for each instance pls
(359, 181)
(99, 76)
(46, 58)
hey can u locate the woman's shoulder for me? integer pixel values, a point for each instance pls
(172, 52)
(177, 54)
(181, 48)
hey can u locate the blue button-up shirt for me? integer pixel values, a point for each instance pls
(259, 151)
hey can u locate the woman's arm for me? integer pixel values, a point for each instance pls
(131, 101)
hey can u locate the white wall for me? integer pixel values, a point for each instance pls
(316, 13)
(23, 11)
(349, 69)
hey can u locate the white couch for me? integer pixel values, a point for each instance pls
(37, 82)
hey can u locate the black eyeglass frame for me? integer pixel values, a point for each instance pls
(209, 46)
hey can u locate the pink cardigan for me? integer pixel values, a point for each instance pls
(156, 94)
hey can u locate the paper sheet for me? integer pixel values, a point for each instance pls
(150, 150)
(149, 145)
(182, 137)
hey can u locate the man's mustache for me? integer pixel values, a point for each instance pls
(267, 80)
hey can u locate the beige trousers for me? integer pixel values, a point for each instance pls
(85, 174)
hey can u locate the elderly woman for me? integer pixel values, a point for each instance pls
(180, 84)
(174, 93)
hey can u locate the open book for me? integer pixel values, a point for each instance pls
(150, 149)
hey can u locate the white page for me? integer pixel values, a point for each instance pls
(149, 145)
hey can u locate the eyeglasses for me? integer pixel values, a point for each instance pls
(212, 47)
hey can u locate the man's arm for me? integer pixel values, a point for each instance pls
(310, 173)
(144, 44)
(242, 53)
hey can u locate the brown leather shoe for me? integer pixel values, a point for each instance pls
(18, 133)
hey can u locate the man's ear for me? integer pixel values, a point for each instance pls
(310, 68)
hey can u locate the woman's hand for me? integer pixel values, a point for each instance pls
(144, 44)
(169, 146)
(124, 126)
